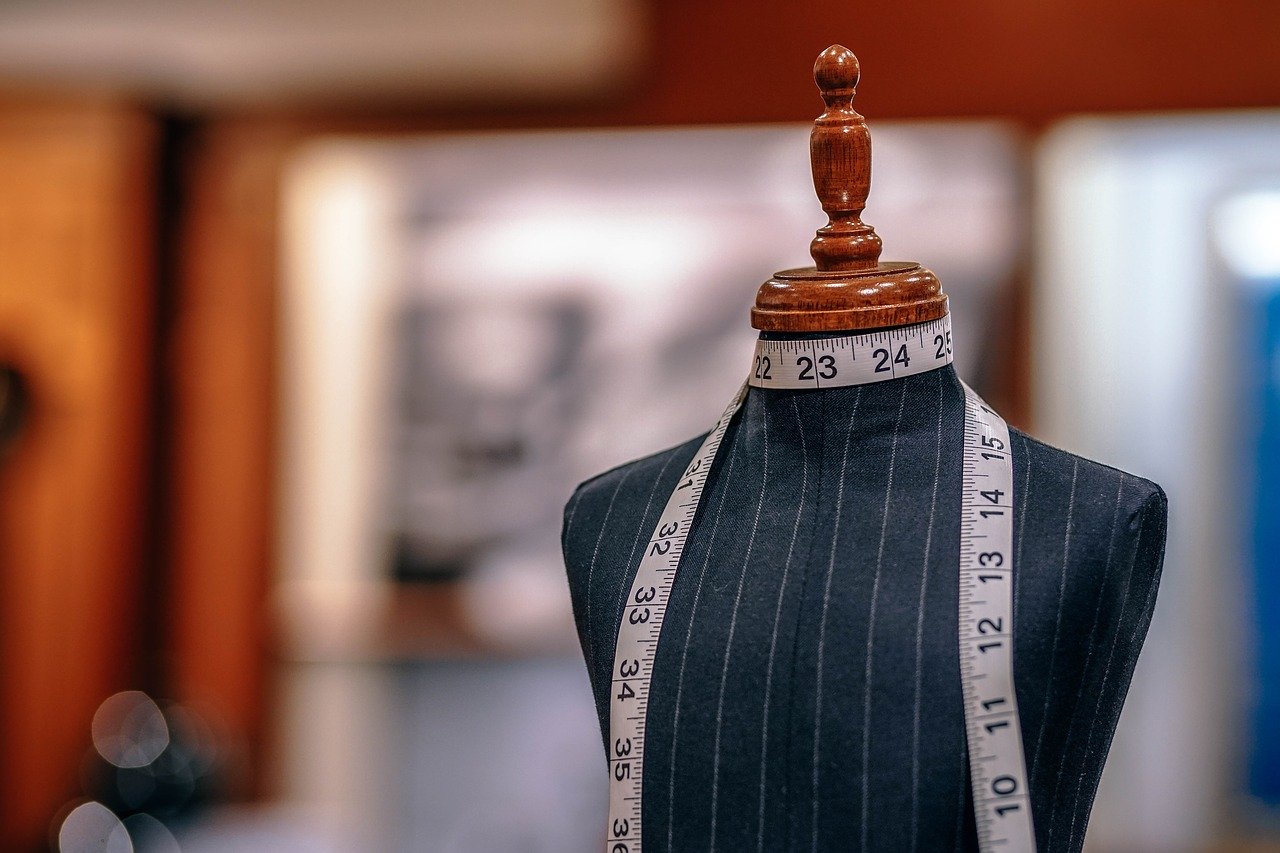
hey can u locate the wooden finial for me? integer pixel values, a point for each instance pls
(840, 155)
(848, 288)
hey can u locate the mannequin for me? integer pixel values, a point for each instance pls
(806, 690)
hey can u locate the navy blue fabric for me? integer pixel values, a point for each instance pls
(806, 692)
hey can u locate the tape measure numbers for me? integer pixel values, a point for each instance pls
(642, 619)
(997, 765)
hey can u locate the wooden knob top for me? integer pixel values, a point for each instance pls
(836, 71)
(847, 288)
(840, 155)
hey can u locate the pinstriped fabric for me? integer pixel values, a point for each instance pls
(1034, 763)
(805, 692)
(570, 510)
(869, 654)
(963, 801)
(1118, 667)
(924, 585)
(589, 648)
(1091, 647)
(728, 645)
(1023, 500)
(777, 615)
(826, 605)
(1109, 648)
(792, 705)
(684, 656)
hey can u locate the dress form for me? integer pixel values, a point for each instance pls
(806, 690)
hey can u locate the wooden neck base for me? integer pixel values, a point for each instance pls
(880, 297)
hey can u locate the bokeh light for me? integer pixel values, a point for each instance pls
(129, 729)
(92, 828)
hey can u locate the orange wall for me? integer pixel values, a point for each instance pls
(719, 60)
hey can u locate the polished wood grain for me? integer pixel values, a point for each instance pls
(887, 295)
(840, 155)
(848, 288)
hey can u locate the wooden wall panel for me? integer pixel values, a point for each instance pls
(223, 373)
(75, 317)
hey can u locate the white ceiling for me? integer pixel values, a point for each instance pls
(243, 51)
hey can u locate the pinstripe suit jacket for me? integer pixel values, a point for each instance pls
(806, 691)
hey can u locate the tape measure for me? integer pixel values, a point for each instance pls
(997, 766)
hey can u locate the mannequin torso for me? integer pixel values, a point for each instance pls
(806, 690)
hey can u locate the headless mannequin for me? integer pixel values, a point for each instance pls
(806, 690)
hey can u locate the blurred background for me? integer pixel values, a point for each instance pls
(312, 314)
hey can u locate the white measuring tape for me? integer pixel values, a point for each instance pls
(1002, 807)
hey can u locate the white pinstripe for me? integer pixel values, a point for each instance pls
(1093, 637)
(871, 623)
(1057, 621)
(826, 600)
(924, 583)
(1022, 513)
(573, 511)
(684, 651)
(591, 570)
(1102, 688)
(777, 615)
(728, 643)
(1148, 605)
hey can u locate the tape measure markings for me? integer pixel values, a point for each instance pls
(852, 359)
(642, 620)
(993, 731)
